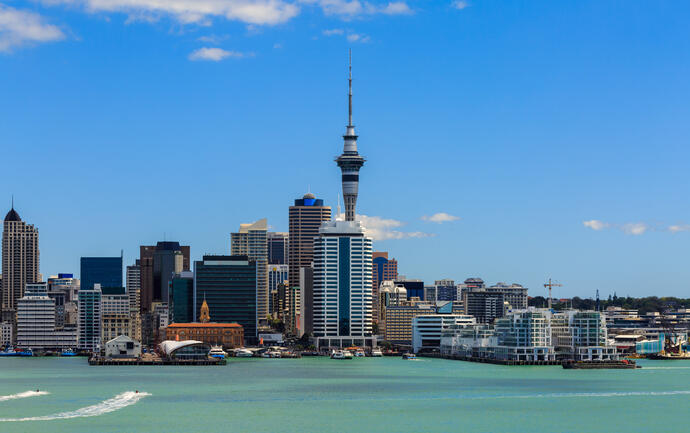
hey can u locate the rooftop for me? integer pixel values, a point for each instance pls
(204, 325)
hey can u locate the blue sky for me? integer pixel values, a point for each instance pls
(556, 132)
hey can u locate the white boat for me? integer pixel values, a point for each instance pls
(266, 355)
(243, 353)
(376, 353)
(9, 352)
(217, 352)
(409, 355)
(359, 354)
(341, 354)
(275, 354)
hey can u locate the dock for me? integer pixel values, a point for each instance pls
(137, 361)
(489, 360)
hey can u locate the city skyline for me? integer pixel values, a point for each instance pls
(553, 168)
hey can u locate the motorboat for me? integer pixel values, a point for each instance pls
(341, 354)
(275, 354)
(266, 355)
(376, 353)
(26, 352)
(9, 352)
(217, 352)
(359, 353)
(243, 353)
(68, 352)
(409, 355)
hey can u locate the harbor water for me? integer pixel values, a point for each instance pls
(324, 395)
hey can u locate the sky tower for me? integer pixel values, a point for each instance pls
(350, 161)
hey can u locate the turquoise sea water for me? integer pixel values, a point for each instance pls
(360, 395)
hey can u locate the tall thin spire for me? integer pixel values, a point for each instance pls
(349, 85)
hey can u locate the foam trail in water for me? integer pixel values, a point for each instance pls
(24, 394)
(596, 394)
(118, 402)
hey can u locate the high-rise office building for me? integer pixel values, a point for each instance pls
(277, 248)
(277, 275)
(350, 161)
(115, 314)
(228, 284)
(305, 218)
(513, 294)
(415, 288)
(342, 285)
(158, 264)
(133, 280)
(181, 302)
(36, 327)
(20, 261)
(446, 290)
(106, 271)
(384, 269)
(90, 318)
(484, 306)
(251, 241)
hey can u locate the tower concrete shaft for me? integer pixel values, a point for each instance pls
(350, 161)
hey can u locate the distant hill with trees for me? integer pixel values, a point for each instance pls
(643, 305)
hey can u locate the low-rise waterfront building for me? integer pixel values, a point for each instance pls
(122, 346)
(184, 350)
(427, 329)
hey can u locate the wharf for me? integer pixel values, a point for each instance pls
(137, 361)
(489, 361)
(598, 365)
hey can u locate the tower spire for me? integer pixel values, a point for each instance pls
(349, 86)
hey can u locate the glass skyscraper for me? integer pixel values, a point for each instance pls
(106, 271)
(228, 284)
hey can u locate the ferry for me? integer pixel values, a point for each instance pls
(217, 352)
(243, 353)
(409, 355)
(68, 352)
(376, 353)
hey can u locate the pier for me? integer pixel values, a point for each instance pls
(137, 361)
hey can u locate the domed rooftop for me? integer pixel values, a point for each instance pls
(401, 290)
(309, 195)
(12, 215)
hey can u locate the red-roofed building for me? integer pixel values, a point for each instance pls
(228, 335)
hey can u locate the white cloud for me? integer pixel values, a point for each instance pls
(440, 217)
(635, 228)
(356, 37)
(19, 27)
(261, 12)
(595, 224)
(353, 8)
(397, 8)
(213, 54)
(460, 4)
(380, 229)
(333, 32)
(679, 228)
(212, 39)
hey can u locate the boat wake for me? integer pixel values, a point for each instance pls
(598, 394)
(24, 394)
(118, 402)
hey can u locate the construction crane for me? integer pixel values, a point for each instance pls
(551, 285)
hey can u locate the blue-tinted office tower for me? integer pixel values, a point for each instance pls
(106, 271)
(181, 302)
(228, 284)
(415, 288)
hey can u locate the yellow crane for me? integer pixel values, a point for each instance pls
(551, 285)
